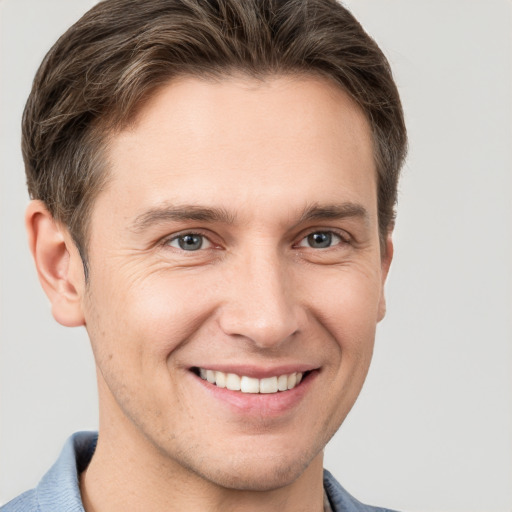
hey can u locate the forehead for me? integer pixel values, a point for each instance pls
(244, 139)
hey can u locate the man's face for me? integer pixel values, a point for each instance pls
(238, 234)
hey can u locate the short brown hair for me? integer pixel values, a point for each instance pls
(103, 68)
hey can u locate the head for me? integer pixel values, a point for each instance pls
(219, 180)
(102, 70)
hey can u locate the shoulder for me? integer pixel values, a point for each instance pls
(25, 502)
(59, 487)
(342, 501)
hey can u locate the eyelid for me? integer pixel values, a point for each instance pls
(166, 241)
(205, 244)
(341, 234)
(305, 243)
(345, 237)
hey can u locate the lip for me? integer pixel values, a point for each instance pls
(259, 405)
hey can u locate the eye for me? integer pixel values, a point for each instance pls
(190, 242)
(321, 240)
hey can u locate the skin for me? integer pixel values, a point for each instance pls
(275, 161)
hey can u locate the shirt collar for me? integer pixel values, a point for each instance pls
(59, 489)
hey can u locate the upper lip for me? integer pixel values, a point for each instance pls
(258, 372)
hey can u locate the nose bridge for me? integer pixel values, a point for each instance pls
(261, 304)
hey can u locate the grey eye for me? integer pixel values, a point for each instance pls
(320, 240)
(190, 242)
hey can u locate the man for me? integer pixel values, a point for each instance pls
(213, 191)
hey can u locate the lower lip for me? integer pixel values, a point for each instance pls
(260, 404)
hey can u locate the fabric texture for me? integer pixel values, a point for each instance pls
(58, 490)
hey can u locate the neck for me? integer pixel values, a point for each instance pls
(128, 473)
(121, 479)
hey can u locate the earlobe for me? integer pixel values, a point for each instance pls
(385, 264)
(55, 257)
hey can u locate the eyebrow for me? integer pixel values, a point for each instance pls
(180, 213)
(334, 212)
(183, 213)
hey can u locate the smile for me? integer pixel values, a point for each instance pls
(246, 384)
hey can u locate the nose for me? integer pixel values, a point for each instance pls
(260, 301)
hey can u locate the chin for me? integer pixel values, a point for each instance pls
(255, 473)
(258, 479)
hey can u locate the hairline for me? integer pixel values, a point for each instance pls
(112, 124)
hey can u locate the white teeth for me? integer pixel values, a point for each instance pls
(246, 384)
(249, 385)
(282, 382)
(233, 382)
(220, 379)
(268, 385)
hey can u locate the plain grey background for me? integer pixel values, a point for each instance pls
(432, 430)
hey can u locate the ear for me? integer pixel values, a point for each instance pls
(385, 264)
(58, 264)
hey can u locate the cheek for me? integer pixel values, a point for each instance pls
(347, 305)
(347, 309)
(147, 318)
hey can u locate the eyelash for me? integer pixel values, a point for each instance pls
(343, 239)
(167, 242)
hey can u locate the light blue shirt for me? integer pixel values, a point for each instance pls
(58, 490)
